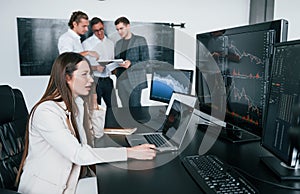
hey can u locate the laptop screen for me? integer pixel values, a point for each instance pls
(177, 121)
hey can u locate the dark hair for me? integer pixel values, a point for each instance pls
(76, 17)
(122, 20)
(95, 20)
(58, 90)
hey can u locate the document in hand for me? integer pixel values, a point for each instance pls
(107, 62)
(110, 64)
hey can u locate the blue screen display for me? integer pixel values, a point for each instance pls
(165, 82)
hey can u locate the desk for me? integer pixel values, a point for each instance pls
(173, 178)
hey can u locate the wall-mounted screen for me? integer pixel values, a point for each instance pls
(38, 39)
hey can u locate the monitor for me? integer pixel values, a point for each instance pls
(179, 117)
(166, 81)
(284, 97)
(190, 100)
(244, 57)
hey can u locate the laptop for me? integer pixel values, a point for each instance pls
(172, 132)
(158, 115)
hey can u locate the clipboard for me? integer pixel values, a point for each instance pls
(106, 62)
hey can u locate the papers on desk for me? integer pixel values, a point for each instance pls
(120, 131)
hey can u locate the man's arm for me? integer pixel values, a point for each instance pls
(90, 53)
(64, 44)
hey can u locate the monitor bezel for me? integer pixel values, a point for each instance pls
(281, 25)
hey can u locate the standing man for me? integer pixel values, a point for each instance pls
(105, 48)
(132, 49)
(70, 40)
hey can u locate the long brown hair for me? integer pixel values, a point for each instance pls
(58, 90)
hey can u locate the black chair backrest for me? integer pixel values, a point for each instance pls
(13, 119)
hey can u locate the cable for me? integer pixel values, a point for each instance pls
(264, 181)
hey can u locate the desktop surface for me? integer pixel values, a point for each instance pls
(5, 191)
(171, 177)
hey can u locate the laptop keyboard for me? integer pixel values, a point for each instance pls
(156, 139)
(214, 176)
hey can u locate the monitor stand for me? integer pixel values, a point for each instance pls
(282, 171)
(237, 135)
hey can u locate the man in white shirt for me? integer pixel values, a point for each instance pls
(70, 40)
(105, 48)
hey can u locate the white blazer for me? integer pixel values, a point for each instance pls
(54, 156)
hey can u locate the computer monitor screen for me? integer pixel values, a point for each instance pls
(284, 96)
(164, 82)
(244, 56)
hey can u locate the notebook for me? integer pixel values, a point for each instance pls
(172, 132)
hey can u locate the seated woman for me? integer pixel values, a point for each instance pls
(60, 129)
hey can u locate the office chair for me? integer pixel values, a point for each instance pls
(13, 118)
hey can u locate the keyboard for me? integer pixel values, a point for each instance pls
(156, 139)
(215, 176)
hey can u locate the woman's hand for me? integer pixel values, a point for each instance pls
(142, 152)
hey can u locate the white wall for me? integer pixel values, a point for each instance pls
(289, 10)
(199, 16)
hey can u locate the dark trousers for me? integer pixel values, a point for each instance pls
(104, 90)
(131, 97)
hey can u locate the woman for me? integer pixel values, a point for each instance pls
(58, 132)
